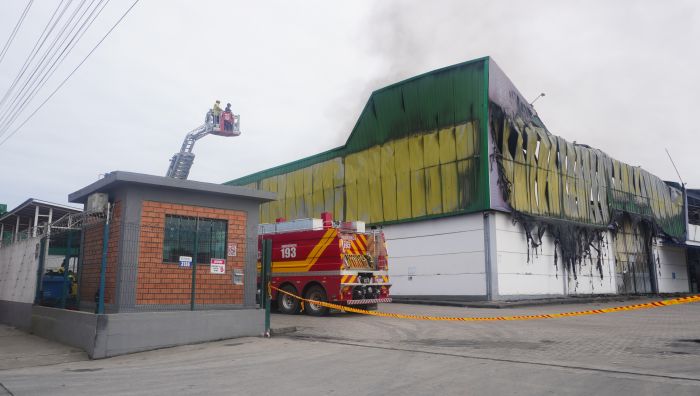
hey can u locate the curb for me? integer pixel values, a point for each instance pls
(282, 330)
(524, 303)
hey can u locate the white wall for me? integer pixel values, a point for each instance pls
(437, 257)
(693, 232)
(540, 276)
(446, 257)
(671, 268)
(53, 262)
(18, 265)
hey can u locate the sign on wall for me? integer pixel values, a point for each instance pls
(237, 276)
(185, 261)
(232, 250)
(217, 266)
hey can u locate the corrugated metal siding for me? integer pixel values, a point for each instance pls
(550, 177)
(408, 178)
(416, 151)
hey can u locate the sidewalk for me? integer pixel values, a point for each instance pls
(19, 349)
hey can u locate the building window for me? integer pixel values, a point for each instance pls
(181, 233)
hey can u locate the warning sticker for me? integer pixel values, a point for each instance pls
(217, 266)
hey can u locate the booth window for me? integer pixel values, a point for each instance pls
(181, 232)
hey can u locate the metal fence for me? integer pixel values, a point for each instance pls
(188, 263)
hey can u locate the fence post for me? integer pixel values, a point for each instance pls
(103, 265)
(67, 267)
(40, 269)
(194, 264)
(265, 281)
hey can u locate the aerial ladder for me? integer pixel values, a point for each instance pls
(228, 125)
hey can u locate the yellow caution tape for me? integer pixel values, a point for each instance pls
(653, 304)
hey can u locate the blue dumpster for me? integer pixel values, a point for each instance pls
(52, 289)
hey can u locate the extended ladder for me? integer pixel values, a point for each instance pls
(181, 162)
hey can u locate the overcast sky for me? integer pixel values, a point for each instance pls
(621, 76)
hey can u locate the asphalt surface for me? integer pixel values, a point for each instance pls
(645, 352)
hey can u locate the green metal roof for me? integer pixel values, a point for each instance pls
(440, 98)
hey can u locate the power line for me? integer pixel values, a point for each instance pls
(37, 46)
(9, 117)
(39, 67)
(56, 63)
(14, 31)
(71, 73)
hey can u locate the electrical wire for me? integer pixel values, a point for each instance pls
(45, 58)
(71, 73)
(37, 46)
(57, 61)
(15, 30)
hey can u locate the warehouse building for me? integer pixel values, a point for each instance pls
(478, 200)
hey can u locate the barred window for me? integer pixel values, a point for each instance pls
(181, 232)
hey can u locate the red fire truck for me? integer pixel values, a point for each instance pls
(323, 260)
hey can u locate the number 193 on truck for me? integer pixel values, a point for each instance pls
(326, 260)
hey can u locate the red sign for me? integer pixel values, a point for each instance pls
(217, 266)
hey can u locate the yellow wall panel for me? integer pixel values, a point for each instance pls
(431, 149)
(553, 181)
(317, 191)
(402, 163)
(464, 147)
(415, 148)
(375, 184)
(446, 139)
(282, 191)
(388, 182)
(297, 178)
(448, 172)
(433, 190)
(327, 170)
(465, 182)
(265, 208)
(274, 205)
(351, 170)
(542, 168)
(569, 178)
(530, 160)
(308, 191)
(520, 191)
(338, 189)
(418, 193)
(290, 210)
(363, 198)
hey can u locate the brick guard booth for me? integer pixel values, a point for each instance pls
(151, 298)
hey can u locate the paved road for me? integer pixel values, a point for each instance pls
(646, 352)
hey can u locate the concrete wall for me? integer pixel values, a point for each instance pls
(18, 271)
(671, 268)
(74, 328)
(519, 276)
(117, 334)
(16, 314)
(441, 257)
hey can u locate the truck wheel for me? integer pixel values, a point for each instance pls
(288, 304)
(316, 293)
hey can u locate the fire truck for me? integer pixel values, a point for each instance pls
(325, 260)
